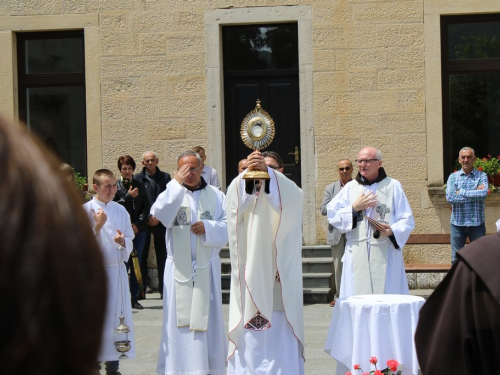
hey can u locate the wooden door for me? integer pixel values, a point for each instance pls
(279, 96)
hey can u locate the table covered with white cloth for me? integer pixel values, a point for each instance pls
(375, 325)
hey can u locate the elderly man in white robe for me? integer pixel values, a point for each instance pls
(266, 327)
(373, 260)
(193, 337)
(113, 230)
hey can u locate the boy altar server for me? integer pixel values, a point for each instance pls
(193, 339)
(114, 234)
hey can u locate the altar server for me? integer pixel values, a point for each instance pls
(193, 334)
(114, 234)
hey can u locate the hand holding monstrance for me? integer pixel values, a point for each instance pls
(257, 132)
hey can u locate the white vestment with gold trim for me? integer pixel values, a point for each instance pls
(266, 327)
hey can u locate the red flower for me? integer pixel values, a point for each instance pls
(348, 373)
(377, 372)
(498, 157)
(489, 156)
(393, 365)
(373, 360)
(365, 373)
(357, 367)
(489, 191)
(480, 169)
(484, 159)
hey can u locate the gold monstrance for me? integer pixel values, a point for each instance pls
(257, 132)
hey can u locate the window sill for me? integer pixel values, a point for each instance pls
(438, 197)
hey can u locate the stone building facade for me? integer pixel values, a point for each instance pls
(369, 73)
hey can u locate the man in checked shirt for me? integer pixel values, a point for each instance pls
(466, 190)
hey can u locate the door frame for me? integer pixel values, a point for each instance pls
(214, 20)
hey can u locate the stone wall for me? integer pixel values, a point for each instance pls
(374, 70)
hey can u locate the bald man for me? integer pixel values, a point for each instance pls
(373, 260)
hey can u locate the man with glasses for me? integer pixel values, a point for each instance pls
(466, 191)
(193, 335)
(375, 214)
(336, 239)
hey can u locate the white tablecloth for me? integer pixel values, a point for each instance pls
(378, 325)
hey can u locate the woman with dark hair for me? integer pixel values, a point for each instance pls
(52, 278)
(132, 195)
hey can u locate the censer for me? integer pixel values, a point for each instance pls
(122, 346)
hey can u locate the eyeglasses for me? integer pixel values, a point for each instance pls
(345, 169)
(274, 167)
(367, 161)
(193, 170)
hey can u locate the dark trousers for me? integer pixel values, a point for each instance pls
(158, 233)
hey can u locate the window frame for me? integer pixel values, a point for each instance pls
(38, 80)
(449, 67)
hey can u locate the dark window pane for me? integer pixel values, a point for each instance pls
(50, 56)
(474, 41)
(475, 113)
(260, 47)
(57, 116)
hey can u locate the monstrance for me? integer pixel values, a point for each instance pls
(257, 132)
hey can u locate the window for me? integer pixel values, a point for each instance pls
(51, 80)
(470, 56)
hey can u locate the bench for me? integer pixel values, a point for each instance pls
(418, 239)
(427, 268)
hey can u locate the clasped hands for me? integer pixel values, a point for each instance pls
(370, 200)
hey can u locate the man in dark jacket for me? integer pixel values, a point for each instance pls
(459, 326)
(155, 182)
(131, 194)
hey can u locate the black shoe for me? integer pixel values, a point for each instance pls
(137, 305)
(140, 297)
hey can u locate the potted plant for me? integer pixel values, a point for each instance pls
(491, 166)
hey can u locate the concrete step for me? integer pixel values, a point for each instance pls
(316, 280)
(316, 265)
(316, 295)
(316, 251)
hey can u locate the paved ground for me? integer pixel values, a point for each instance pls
(147, 324)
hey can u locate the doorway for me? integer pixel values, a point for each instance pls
(261, 62)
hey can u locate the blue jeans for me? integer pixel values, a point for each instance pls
(459, 235)
(139, 241)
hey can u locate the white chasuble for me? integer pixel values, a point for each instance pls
(370, 262)
(192, 276)
(265, 240)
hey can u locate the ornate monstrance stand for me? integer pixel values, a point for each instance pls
(257, 132)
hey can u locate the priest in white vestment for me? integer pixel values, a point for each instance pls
(373, 260)
(266, 327)
(193, 335)
(114, 234)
